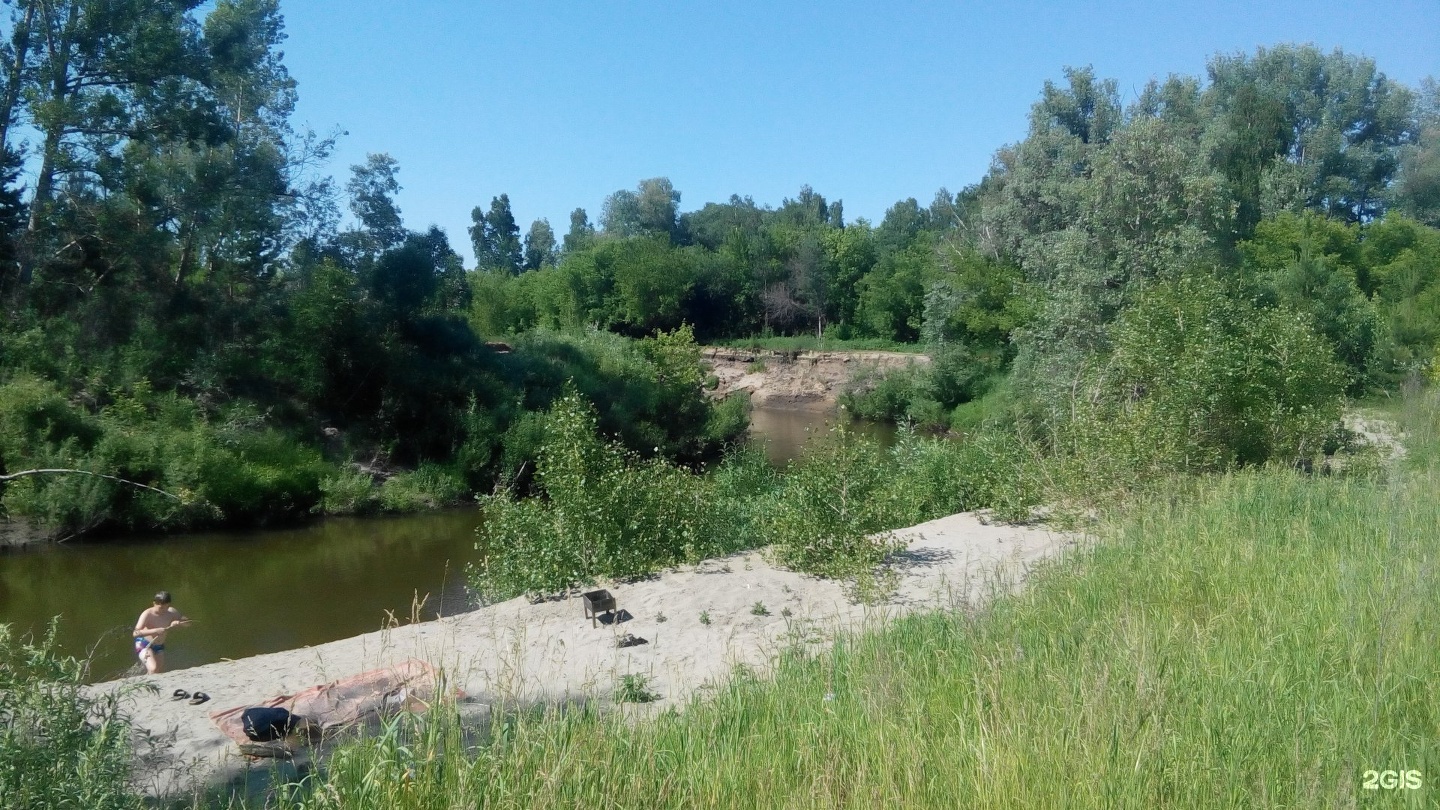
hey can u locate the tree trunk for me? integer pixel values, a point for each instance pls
(59, 48)
(15, 72)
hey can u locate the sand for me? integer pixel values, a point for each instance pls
(548, 652)
(807, 381)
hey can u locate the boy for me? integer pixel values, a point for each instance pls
(150, 631)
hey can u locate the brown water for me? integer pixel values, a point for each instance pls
(784, 432)
(278, 589)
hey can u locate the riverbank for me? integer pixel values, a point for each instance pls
(698, 623)
(803, 380)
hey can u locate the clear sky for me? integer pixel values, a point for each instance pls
(560, 104)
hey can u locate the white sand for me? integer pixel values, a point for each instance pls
(548, 652)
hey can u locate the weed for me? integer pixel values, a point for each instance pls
(705, 617)
(759, 609)
(635, 688)
(59, 747)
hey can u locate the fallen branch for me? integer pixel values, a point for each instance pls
(23, 473)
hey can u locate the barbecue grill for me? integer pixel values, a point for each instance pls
(597, 602)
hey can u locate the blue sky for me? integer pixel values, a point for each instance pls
(560, 104)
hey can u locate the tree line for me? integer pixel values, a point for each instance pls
(184, 308)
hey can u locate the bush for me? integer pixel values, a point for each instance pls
(347, 493)
(429, 486)
(1200, 381)
(993, 470)
(882, 397)
(830, 504)
(58, 747)
(605, 512)
(925, 395)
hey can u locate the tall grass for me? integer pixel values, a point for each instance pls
(1261, 641)
(59, 748)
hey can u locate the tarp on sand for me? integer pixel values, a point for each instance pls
(410, 686)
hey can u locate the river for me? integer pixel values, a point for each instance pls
(253, 592)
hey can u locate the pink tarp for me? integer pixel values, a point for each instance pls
(410, 685)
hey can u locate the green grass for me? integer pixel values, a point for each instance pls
(1260, 641)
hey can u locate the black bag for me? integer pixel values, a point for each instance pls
(263, 724)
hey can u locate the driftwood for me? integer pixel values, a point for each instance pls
(23, 473)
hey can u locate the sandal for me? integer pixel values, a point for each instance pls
(179, 694)
(200, 697)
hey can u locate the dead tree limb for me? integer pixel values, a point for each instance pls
(23, 473)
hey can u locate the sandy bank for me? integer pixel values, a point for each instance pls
(801, 380)
(548, 652)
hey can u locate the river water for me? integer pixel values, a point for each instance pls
(264, 591)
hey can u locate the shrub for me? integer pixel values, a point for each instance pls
(830, 505)
(933, 478)
(1200, 381)
(58, 747)
(635, 688)
(429, 486)
(881, 397)
(604, 512)
(347, 492)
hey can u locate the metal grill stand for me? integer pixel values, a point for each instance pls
(597, 602)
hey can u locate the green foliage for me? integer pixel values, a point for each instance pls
(992, 469)
(234, 470)
(1401, 259)
(925, 395)
(59, 747)
(608, 513)
(994, 410)
(347, 493)
(604, 513)
(892, 295)
(1201, 381)
(635, 688)
(830, 506)
(1311, 264)
(759, 609)
(429, 486)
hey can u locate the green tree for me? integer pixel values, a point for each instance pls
(540, 250)
(1340, 125)
(1417, 186)
(1200, 380)
(1309, 264)
(496, 237)
(652, 209)
(581, 232)
(372, 190)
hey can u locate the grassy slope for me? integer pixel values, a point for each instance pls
(1261, 643)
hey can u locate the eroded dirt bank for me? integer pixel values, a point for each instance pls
(800, 379)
